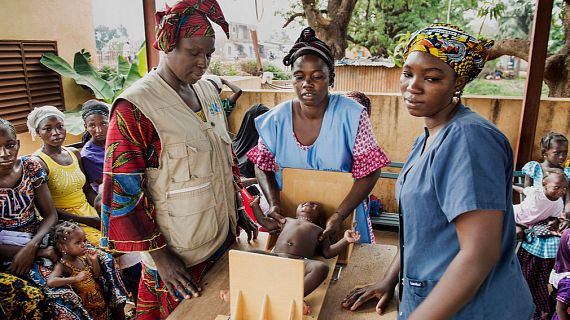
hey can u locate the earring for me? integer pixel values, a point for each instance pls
(456, 97)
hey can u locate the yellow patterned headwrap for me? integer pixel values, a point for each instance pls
(462, 52)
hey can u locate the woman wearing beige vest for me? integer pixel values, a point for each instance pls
(168, 187)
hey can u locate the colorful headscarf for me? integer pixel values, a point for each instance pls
(308, 43)
(187, 18)
(38, 114)
(462, 52)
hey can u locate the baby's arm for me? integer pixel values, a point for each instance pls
(329, 251)
(56, 280)
(268, 222)
(518, 189)
(93, 261)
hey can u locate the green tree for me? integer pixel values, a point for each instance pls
(104, 35)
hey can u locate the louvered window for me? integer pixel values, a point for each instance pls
(24, 82)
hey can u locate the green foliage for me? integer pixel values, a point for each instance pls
(249, 66)
(104, 35)
(105, 83)
(379, 24)
(514, 88)
(277, 72)
(492, 9)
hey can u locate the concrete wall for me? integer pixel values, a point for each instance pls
(396, 130)
(70, 23)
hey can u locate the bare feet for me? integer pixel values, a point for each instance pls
(225, 295)
(306, 309)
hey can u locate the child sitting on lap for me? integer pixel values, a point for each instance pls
(81, 268)
(542, 203)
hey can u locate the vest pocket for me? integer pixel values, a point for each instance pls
(200, 158)
(178, 166)
(192, 217)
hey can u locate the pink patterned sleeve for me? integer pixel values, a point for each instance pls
(262, 157)
(367, 155)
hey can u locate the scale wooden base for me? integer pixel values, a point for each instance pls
(268, 287)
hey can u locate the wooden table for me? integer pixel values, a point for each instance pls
(368, 263)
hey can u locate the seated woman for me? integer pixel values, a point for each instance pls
(23, 191)
(95, 116)
(319, 131)
(72, 196)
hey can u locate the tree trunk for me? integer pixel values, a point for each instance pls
(333, 27)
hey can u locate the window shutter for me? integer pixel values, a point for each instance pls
(25, 83)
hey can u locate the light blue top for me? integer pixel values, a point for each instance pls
(332, 151)
(534, 170)
(468, 166)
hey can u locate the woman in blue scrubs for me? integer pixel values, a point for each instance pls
(457, 239)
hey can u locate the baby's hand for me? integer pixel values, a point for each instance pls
(351, 236)
(81, 276)
(254, 202)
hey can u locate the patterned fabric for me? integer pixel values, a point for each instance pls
(17, 209)
(227, 106)
(187, 18)
(563, 294)
(536, 271)
(65, 184)
(66, 303)
(20, 300)
(534, 171)
(308, 43)
(368, 156)
(154, 302)
(133, 145)
(541, 247)
(463, 53)
(89, 290)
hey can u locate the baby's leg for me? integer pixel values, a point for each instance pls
(315, 273)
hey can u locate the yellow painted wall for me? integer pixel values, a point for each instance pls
(69, 22)
(396, 130)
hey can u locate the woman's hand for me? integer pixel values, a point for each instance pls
(332, 227)
(83, 275)
(23, 260)
(174, 275)
(245, 222)
(49, 253)
(381, 290)
(274, 221)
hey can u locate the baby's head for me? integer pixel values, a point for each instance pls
(69, 239)
(554, 148)
(555, 184)
(310, 211)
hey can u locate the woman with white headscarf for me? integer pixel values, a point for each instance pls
(72, 196)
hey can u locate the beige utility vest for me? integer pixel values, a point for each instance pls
(192, 189)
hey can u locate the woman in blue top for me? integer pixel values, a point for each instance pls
(457, 239)
(319, 131)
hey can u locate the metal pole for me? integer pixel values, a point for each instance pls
(531, 100)
(149, 8)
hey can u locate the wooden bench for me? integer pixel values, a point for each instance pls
(391, 219)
